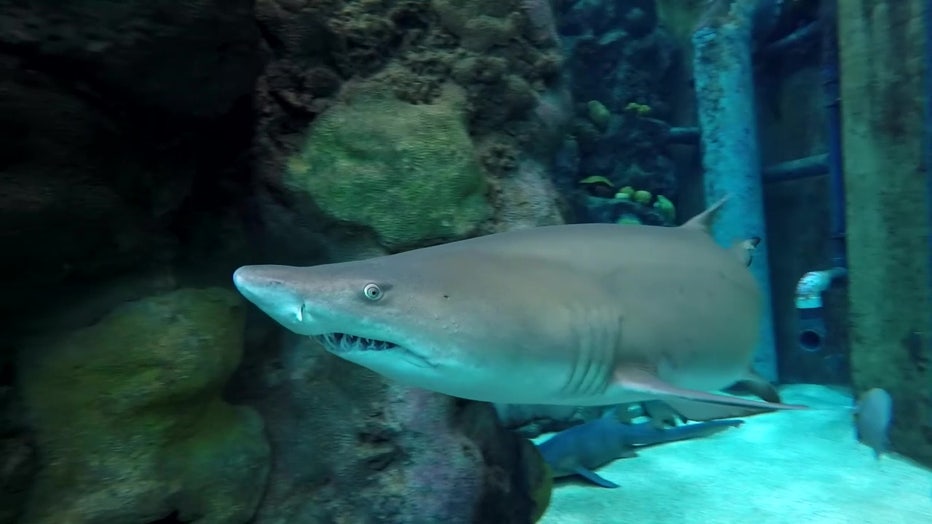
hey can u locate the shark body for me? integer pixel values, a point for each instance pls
(582, 315)
(581, 449)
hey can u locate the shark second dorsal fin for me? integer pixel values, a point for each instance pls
(703, 221)
(744, 250)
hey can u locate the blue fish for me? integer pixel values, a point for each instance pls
(581, 449)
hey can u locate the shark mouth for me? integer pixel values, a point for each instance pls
(344, 342)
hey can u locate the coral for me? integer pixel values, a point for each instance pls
(479, 24)
(406, 171)
(621, 59)
(596, 179)
(598, 114)
(541, 21)
(129, 421)
(498, 157)
(637, 109)
(501, 54)
(625, 193)
(526, 198)
(642, 197)
(666, 207)
(597, 185)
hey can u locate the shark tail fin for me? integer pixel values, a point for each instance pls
(744, 249)
(703, 221)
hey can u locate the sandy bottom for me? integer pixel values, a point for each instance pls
(802, 467)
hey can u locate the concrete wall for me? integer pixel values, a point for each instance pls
(883, 102)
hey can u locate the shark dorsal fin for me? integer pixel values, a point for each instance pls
(703, 221)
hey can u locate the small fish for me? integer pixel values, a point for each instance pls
(872, 418)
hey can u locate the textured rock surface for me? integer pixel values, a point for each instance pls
(113, 116)
(339, 429)
(195, 57)
(406, 171)
(133, 160)
(619, 54)
(129, 422)
(17, 452)
(320, 52)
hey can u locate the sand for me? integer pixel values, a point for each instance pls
(800, 467)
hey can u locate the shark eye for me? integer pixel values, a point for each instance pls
(372, 291)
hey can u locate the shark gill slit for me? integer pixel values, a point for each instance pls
(590, 370)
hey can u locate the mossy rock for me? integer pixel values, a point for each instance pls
(540, 478)
(129, 420)
(479, 24)
(409, 172)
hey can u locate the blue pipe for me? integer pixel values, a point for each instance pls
(799, 38)
(683, 135)
(806, 167)
(810, 323)
(832, 94)
(724, 82)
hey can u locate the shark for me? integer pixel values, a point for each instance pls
(583, 448)
(576, 314)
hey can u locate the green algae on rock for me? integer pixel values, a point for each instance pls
(129, 420)
(407, 171)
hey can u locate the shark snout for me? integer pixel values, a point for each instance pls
(273, 290)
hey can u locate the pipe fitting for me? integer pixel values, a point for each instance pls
(811, 328)
(809, 289)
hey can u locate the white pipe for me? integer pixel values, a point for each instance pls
(813, 284)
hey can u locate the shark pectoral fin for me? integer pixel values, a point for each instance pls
(594, 478)
(703, 411)
(662, 414)
(627, 453)
(641, 381)
(756, 385)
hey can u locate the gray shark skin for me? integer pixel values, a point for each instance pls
(581, 449)
(583, 314)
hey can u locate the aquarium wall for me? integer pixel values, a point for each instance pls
(886, 61)
(149, 149)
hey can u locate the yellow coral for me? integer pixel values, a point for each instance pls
(596, 179)
(637, 109)
(665, 207)
(642, 197)
(598, 114)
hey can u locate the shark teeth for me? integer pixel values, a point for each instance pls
(341, 342)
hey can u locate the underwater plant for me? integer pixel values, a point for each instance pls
(637, 109)
(598, 114)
